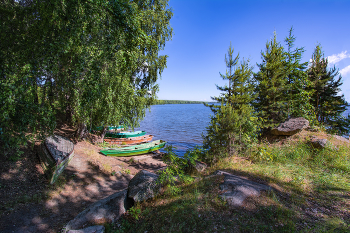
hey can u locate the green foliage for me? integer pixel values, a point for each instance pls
(271, 85)
(298, 93)
(95, 61)
(176, 170)
(234, 125)
(283, 87)
(135, 212)
(329, 105)
(303, 153)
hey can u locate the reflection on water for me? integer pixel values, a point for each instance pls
(181, 125)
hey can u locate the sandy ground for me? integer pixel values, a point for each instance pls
(89, 177)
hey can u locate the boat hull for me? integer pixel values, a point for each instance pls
(125, 134)
(129, 141)
(134, 150)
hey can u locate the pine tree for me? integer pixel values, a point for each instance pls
(329, 105)
(271, 86)
(298, 93)
(234, 125)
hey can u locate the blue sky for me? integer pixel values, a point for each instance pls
(203, 30)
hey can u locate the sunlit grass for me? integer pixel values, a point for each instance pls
(311, 194)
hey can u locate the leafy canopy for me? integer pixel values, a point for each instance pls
(95, 61)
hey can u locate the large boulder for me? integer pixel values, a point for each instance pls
(107, 210)
(291, 126)
(143, 186)
(236, 189)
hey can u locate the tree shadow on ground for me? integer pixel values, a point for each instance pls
(310, 207)
(30, 204)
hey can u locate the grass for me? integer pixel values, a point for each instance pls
(311, 194)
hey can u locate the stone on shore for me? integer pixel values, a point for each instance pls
(107, 210)
(237, 189)
(92, 229)
(143, 186)
(290, 127)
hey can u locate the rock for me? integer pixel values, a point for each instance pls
(143, 186)
(92, 229)
(320, 143)
(196, 168)
(237, 188)
(55, 153)
(291, 126)
(342, 138)
(104, 211)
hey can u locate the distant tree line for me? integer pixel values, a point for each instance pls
(284, 87)
(160, 102)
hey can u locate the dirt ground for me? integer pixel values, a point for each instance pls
(28, 203)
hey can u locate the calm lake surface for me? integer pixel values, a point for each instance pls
(181, 125)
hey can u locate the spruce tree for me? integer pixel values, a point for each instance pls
(234, 125)
(271, 87)
(329, 105)
(298, 93)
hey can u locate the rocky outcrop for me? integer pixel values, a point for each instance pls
(291, 126)
(236, 189)
(341, 138)
(144, 185)
(104, 211)
(92, 229)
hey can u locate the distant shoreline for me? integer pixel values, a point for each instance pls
(161, 102)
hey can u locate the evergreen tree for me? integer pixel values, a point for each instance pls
(329, 105)
(282, 84)
(298, 93)
(271, 87)
(233, 125)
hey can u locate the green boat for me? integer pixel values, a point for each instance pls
(134, 150)
(110, 127)
(125, 134)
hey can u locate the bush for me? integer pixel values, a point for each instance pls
(176, 169)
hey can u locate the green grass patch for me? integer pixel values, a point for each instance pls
(311, 194)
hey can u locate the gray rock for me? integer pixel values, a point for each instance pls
(320, 143)
(342, 138)
(143, 186)
(291, 126)
(196, 168)
(92, 229)
(237, 188)
(104, 211)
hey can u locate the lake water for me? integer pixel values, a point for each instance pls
(181, 125)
